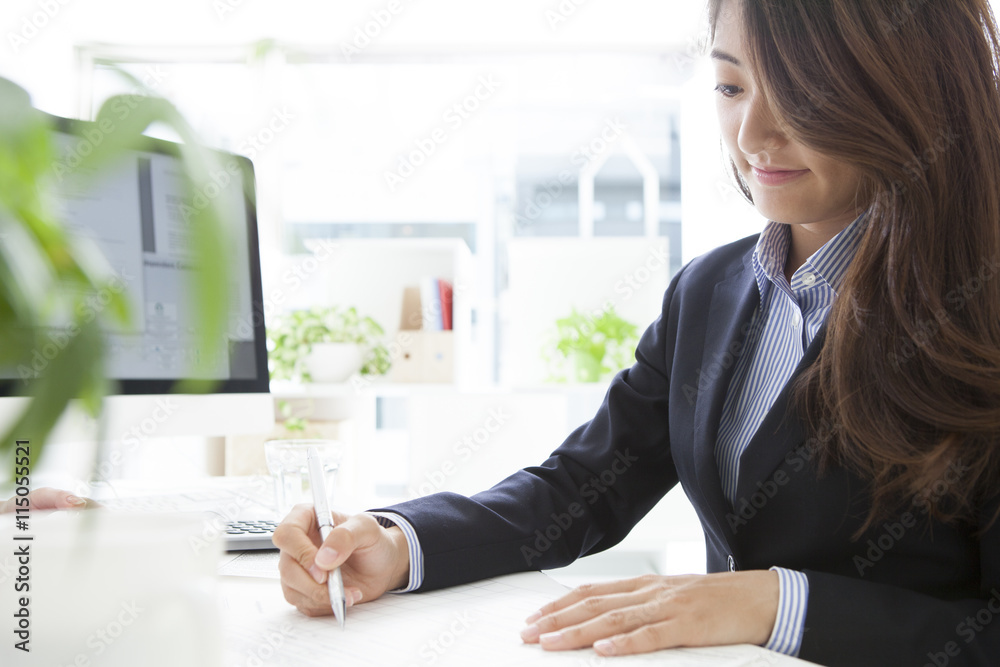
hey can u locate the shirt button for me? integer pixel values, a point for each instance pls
(796, 320)
(808, 279)
(732, 564)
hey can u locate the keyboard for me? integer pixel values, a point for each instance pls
(249, 535)
(243, 534)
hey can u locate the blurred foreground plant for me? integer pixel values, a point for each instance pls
(50, 331)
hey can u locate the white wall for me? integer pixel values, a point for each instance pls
(42, 58)
(45, 63)
(550, 277)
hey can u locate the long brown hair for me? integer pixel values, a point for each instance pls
(907, 92)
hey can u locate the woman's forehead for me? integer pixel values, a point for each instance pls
(728, 32)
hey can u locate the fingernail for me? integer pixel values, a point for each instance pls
(530, 633)
(550, 638)
(75, 501)
(534, 617)
(326, 557)
(317, 574)
(605, 647)
(357, 596)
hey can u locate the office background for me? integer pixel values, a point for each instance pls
(543, 155)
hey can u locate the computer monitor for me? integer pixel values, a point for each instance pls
(133, 212)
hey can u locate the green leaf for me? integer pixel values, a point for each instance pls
(46, 276)
(291, 336)
(69, 375)
(589, 347)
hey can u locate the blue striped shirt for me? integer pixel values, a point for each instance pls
(390, 519)
(789, 316)
(784, 324)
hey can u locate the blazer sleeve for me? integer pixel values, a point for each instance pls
(857, 623)
(583, 499)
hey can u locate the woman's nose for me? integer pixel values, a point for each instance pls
(759, 130)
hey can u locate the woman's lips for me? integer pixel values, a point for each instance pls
(777, 176)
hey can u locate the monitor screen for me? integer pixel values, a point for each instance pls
(137, 212)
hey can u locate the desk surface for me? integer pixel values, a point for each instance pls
(476, 624)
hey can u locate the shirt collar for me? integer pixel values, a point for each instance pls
(829, 263)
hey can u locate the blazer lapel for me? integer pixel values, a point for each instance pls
(732, 306)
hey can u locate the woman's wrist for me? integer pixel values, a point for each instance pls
(401, 548)
(767, 587)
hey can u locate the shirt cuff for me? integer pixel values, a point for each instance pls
(390, 519)
(793, 600)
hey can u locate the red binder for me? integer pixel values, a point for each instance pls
(446, 292)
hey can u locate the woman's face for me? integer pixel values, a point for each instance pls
(789, 182)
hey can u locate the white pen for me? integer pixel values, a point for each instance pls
(334, 582)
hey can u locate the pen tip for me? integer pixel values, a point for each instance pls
(340, 611)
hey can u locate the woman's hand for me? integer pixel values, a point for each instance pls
(654, 612)
(47, 499)
(372, 559)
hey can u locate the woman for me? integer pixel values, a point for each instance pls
(827, 393)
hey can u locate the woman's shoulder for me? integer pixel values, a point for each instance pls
(721, 262)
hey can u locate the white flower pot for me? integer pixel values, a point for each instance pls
(333, 362)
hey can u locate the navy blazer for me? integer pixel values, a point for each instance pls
(909, 591)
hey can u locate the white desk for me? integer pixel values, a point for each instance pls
(476, 624)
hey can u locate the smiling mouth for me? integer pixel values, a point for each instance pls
(777, 176)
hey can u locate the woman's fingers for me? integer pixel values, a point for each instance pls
(646, 609)
(653, 612)
(354, 533)
(300, 588)
(357, 545)
(298, 534)
(580, 612)
(584, 594)
(586, 591)
(47, 498)
(55, 499)
(643, 640)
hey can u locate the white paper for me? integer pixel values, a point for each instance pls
(252, 564)
(475, 625)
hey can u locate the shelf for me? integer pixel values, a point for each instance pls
(285, 389)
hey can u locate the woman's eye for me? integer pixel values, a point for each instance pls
(727, 91)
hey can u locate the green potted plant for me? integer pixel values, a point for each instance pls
(47, 274)
(325, 345)
(590, 347)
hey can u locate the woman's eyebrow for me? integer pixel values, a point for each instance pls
(722, 55)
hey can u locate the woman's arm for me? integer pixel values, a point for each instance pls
(855, 622)
(585, 498)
